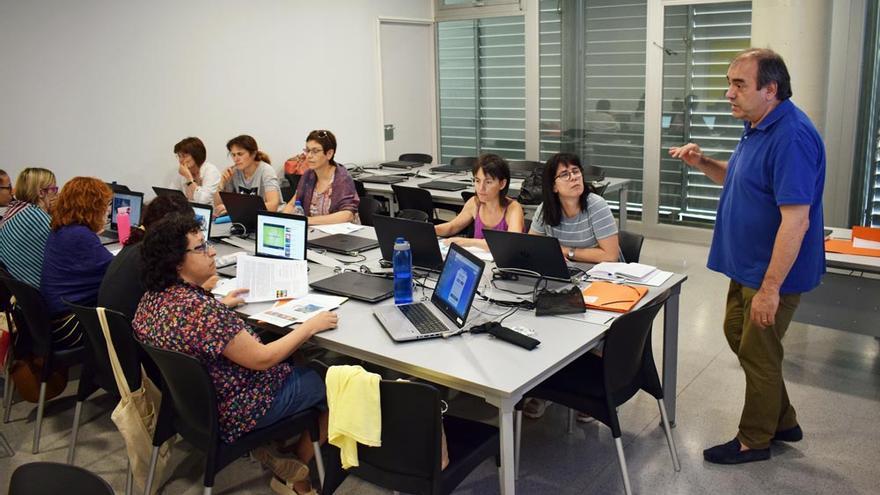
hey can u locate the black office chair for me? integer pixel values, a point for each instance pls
(36, 321)
(6, 308)
(522, 168)
(369, 206)
(52, 478)
(360, 189)
(293, 182)
(409, 458)
(464, 161)
(466, 195)
(99, 369)
(414, 198)
(598, 385)
(416, 215)
(630, 245)
(416, 157)
(189, 407)
(592, 173)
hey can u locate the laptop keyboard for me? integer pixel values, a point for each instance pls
(423, 319)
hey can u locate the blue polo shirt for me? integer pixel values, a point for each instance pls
(779, 162)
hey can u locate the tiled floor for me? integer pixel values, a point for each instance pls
(833, 379)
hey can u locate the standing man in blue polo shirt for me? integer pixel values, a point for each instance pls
(768, 240)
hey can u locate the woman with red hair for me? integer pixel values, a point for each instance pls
(74, 261)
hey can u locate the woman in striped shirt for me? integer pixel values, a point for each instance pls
(573, 213)
(25, 227)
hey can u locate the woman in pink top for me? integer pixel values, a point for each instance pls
(490, 208)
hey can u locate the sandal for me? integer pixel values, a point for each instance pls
(282, 487)
(286, 468)
(534, 408)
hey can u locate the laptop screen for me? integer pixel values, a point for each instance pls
(281, 236)
(458, 284)
(130, 199)
(203, 216)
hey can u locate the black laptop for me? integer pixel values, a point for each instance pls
(350, 245)
(243, 208)
(166, 191)
(360, 286)
(133, 200)
(444, 185)
(527, 254)
(382, 179)
(421, 237)
(401, 164)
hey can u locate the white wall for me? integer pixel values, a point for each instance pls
(105, 88)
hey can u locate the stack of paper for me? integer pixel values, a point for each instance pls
(339, 228)
(267, 279)
(629, 272)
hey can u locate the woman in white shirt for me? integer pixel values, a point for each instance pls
(251, 173)
(197, 178)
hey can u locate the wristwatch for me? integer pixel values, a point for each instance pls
(571, 253)
(189, 183)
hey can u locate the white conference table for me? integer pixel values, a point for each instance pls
(848, 297)
(615, 184)
(480, 365)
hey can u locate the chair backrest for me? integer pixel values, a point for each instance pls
(411, 432)
(464, 161)
(368, 207)
(627, 346)
(414, 198)
(416, 157)
(360, 189)
(630, 245)
(466, 195)
(416, 215)
(36, 316)
(123, 343)
(524, 165)
(293, 181)
(593, 173)
(50, 478)
(192, 391)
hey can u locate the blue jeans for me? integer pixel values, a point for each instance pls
(301, 390)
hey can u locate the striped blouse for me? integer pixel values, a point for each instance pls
(583, 230)
(23, 233)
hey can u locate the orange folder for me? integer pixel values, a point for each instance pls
(846, 246)
(613, 297)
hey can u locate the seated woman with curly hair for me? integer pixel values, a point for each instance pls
(74, 260)
(255, 385)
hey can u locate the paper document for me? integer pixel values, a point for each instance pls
(339, 228)
(298, 310)
(267, 279)
(478, 252)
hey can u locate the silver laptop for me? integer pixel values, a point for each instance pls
(450, 302)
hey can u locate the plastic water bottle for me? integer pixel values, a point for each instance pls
(402, 261)
(298, 208)
(123, 223)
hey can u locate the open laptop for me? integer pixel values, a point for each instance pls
(421, 237)
(281, 236)
(203, 216)
(243, 208)
(526, 254)
(450, 302)
(133, 200)
(350, 245)
(166, 191)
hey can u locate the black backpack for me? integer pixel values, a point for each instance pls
(530, 192)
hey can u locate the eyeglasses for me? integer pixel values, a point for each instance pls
(202, 248)
(49, 189)
(570, 174)
(7, 187)
(312, 151)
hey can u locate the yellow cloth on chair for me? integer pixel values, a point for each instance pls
(355, 411)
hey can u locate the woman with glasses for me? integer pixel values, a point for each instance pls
(74, 261)
(255, 384)
(196, 178)
(250, 174)
(326, 190)
(25, 226)
(573, 213)
(490, 208)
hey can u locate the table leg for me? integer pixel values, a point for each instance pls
(505, 420)
(670, 351)
(622, 211)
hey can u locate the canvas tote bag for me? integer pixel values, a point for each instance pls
(135, 417)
